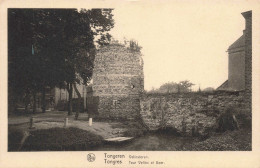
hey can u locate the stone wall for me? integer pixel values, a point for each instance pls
(119, 107)
(118, 81)
(188, 109)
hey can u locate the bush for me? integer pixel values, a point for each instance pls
(244, 118)
(239, 140)
(15, 137)
(227, 120)
(59, 139)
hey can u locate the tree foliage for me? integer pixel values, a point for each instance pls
(208, 89)
(53, 47)
(173, 87)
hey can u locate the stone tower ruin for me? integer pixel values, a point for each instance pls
(118, 82)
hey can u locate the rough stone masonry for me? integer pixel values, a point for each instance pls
(118, 81)
(192, 109)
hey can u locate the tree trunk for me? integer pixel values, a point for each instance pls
(43, 100)
(69, 88)
(79, 98)
(34, 101)
(26, 107)
(84, 99)
(14, 105)
(26, 101)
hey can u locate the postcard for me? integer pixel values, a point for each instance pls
(130, 83)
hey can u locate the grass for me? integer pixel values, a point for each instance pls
(61, 139)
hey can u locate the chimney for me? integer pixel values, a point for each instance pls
(248, 22)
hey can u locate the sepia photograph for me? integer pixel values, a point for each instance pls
(130, 85)
(73, 86)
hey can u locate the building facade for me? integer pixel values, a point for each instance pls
(240, 60)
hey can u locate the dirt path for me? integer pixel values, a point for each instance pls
(106, 130)
(56, 119)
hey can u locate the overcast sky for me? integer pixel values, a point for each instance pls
(182, 41)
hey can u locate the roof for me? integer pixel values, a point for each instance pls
(224, 86)
(238, 43)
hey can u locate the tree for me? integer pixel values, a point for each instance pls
(22, 63)
(170, 87)
(199, 90)
(63, 41)
(173, 87)
(208, 89)
(101, 20)
(185, 86)
(75, 44)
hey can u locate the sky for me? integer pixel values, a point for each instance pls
(181, 40)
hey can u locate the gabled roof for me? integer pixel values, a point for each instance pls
(238, 43)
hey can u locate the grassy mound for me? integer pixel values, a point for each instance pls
(14, 138)
(61, 139)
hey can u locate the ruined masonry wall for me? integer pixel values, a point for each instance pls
(118, 82)
(200, 109)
